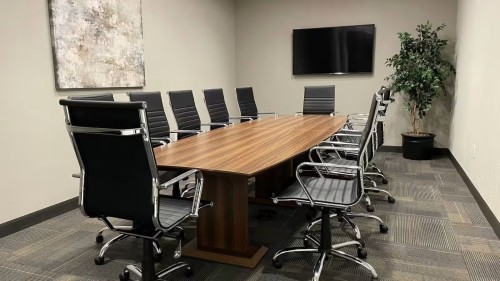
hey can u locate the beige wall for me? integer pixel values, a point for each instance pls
(188, 44)
(474, 130)
(264, 53)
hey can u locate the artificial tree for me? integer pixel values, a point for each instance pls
(420, 71)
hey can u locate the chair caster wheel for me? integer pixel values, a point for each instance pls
(385, 181)
(383, 228)
(124, 276)
(370, 208)
(391, 199)
(99, 239)
(157, 257)
(188, 272)
(99, 260)
(348, 210)
(277, 264)
(307, 244)
(362, 253)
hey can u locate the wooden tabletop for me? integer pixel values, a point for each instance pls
(250, 147)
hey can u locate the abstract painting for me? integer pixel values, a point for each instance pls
(97, 43)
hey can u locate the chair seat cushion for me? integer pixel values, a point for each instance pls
(173, 210)
(324, 190)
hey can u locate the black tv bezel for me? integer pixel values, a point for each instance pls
(336, 73)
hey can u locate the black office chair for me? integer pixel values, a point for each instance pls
(186, 114)
(101, 97)
(329, 193)
(387, 99)
(246, 102)
(350, 155)
(99, 238)
(358, 119)
(159, 130)
(159, 127)
(217, 109)
(119, 178)
(319, 100)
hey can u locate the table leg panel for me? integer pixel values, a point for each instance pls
(225, 226)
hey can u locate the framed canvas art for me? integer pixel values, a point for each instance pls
(97, 43)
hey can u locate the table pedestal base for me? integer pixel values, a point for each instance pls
(250, 259)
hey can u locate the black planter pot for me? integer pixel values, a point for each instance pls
(418, 147)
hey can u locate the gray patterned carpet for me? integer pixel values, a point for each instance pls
(436, 232)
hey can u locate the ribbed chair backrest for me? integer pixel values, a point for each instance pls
(185, 112)
(115, 156)
(367, 135)
(246, 102)
(319, 100)
(101, 97)
(216, 105)
(157, 119)
(386, 96)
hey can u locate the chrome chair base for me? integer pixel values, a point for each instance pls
(99, 260)
(136, 271)
(346, 219)
(324, 254)
(325, 248)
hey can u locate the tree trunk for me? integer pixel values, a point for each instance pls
(416, 119)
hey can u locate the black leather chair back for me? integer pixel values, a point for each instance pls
(319, 100)
(386, 96)
(117, 170)
(246, 102)
(157, 119)
(216, 105)
(185, 112)
(367, 135)
(102, 97)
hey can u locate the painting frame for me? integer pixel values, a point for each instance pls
(97, 44)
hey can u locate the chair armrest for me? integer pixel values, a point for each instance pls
(301, 112)
(328, 165)
(346, 135)
(351, 130)
(316, 166)
(357, 118)
(76, 176)
(242, 118)
(357, 115)
(198, 188)
(162, 140)
(268, 113)
(333, 148)
(339, 143)
(187, 131)
(216, 124)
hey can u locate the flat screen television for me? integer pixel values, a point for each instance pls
(333, 50)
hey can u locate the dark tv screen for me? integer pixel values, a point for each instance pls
(333, 50)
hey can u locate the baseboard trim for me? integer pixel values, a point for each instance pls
(28, 220)
(495, 224)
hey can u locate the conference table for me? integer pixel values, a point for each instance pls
(267, 150)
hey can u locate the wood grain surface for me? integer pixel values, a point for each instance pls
(250, 147)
